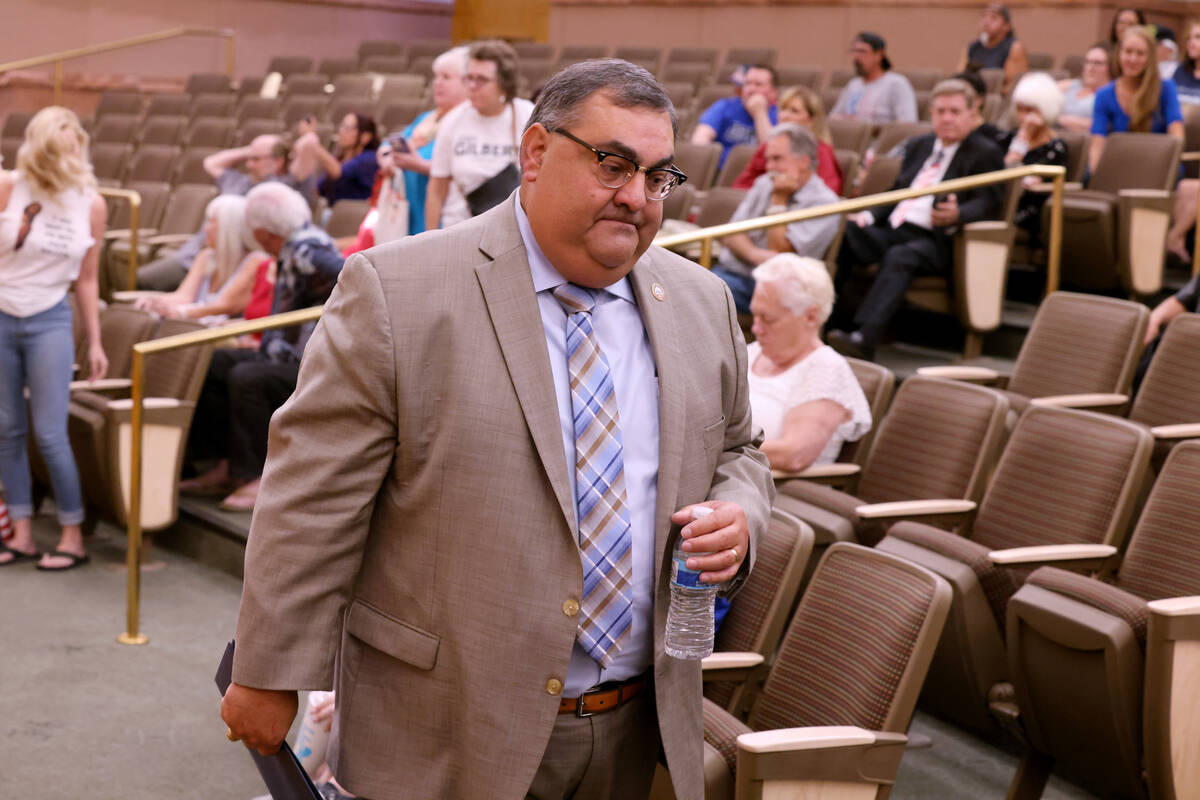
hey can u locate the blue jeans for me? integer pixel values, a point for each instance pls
(38, 351)
(741, 286)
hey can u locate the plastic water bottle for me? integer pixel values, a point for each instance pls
(690, 616)
(313, 738)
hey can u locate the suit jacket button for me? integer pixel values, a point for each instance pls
(554, 686)
(570, 606)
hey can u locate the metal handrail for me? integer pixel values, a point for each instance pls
(133, 529)
(135, 212)
(58, 58)
(706, 235)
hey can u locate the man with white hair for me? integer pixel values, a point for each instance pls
(243, 386)
(787, 185)
(266, 159)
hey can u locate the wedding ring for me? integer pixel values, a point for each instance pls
(735, 554)
(229, 734)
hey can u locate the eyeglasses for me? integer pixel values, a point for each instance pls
(1096, 62)
(476, 80)
(614, 170)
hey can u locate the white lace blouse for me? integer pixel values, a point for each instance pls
(821, 375)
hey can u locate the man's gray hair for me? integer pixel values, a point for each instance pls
(276, 208)
(628, 86)
(800, 139)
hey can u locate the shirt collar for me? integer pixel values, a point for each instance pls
(545, 276)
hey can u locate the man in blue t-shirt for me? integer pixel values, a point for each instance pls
(744, 119)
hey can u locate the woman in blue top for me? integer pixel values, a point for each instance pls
(448, 91)
(1138, 100)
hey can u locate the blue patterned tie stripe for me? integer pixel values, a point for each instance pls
(605, 538)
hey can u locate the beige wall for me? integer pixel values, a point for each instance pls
(264, 28)
(818, 32)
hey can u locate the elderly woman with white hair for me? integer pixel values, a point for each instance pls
(802, 392)
(221, 279)
(1038, 102)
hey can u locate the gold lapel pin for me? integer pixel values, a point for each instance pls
(660, 294)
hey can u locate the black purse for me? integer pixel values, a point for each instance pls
(497, 188)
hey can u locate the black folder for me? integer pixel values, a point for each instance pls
(282, 773)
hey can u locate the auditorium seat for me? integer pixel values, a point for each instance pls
(119, 128)
(640, 55)
(427, 48)
(118, 101)
(1065, 477)
(171, 104)
(250, 86)
(14, 125)
(208, 83)
(213, 105)
(191, 166)
(707, 95)
(298, 107)
(736, 160)
(163, 130)
(698, 162)
(214, 132)
(352, 85)
(153, 162)
(1168, 401)
(251, 128)
(993, 79)
(571, 53)
(1103, 668)
(848, 162)
(534, 51)
(386, 65)
(880, 175)
(396, 114)
(402, 87)
(831, 718)
(752, 628)
(1077, 146)
(334, 68)
(8, 152)
(109, 160)
(100, 430)
(249, 108)
(750, 55)
(681, 93)
(182, 216)
(695, 73)
(289, 65)
(421, 65)
(1114, 232)
(800, 76)
(938, 441)
(719, 205)
(1040, 61)
(342, 106)
(380, 47)
(1081, 351)
(305, 85)
(705, 56)
(678, 204)
(923, 80)
(850, 133)
(535, 72)
(894, 134)
(838, 78)
(153, 195)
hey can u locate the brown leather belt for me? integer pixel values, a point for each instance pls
(603, 698)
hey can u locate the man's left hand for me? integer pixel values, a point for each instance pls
(721, 539)
(945, 212)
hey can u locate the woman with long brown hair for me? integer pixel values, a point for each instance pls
(1138, 100)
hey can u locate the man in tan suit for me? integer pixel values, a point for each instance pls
(424, 539)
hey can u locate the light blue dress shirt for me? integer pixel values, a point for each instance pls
(618, 327)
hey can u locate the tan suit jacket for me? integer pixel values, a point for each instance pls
(413, 544)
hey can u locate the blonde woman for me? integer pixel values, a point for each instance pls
(51, 227)
(1138, 100)
(802, 106)
(221, 279)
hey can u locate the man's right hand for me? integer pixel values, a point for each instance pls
(862, 218)
(260, 718)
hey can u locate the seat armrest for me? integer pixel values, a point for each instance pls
(961, 372)
(1176, 606)
(1187, 430)
(169, 238)
(814, 758)
(149, 403)
(1095, 401)
(125, 233)
(941, 509)
(731, 667)
(820, 473)
(1048, 186)
(1075, 557)
(1146, 196)
(133, 295)
(102, 385)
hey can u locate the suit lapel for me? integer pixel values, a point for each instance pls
(507, 287)
(658, 316)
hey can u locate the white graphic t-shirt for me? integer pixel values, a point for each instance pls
(470, 148)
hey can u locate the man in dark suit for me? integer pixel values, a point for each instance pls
(915, 237)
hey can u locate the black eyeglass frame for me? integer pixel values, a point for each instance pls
(680, 177)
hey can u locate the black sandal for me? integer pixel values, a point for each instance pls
(18, 556)
(75, 561)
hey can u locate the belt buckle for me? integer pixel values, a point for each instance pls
(579, 709)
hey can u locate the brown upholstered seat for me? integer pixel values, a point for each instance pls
(855, 654)
(1078, 648)
(737, 159)
(801, 76)
(116, 128)
(208, 83)
(182, 216)
(289, 65)
(1170, 391)
(153, 162)
(1114, 232)
(939, 440)
(1065, 477)
(172, 104)
(760, 611)
(850, 133)
(895, 134)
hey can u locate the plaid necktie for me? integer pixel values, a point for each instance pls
(605, 540)
(926, 177)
